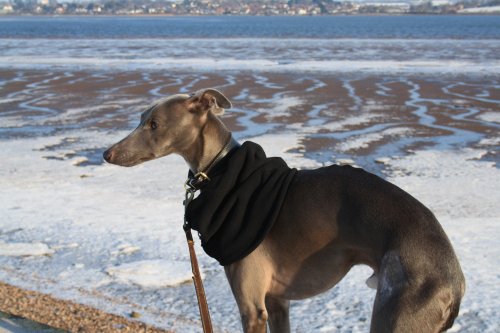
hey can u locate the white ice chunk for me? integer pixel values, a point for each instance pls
(383, 160)
(24, 249)
(345, 161)
(493, 117)
(152, 273)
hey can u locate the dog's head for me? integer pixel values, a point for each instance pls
(171, 125)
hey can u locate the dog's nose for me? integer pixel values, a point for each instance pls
(108, 155)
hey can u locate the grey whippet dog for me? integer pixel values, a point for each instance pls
(329, 222)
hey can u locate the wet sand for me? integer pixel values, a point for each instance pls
(354, 116)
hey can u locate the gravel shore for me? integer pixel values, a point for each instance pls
(64, 315)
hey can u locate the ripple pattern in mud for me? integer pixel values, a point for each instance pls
(360, 117)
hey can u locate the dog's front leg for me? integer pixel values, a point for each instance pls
(253, 318)
(278, 309)
(249, 280)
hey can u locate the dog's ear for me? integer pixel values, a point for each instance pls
(209, 99)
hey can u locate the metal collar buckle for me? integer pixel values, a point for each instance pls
(201, 177)
(192, 184)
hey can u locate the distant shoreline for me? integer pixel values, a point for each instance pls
(237, 15)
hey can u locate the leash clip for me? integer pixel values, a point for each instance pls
(193, 184)
(201, 177)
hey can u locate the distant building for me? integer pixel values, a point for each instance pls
(440, 2)
(481, 10)
(60, 9)
(245, 7)
(401, 5)
(384, 7)
(6, 9)
(81, 10)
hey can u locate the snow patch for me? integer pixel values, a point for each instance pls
(383, 160)
(371, 105)
(345, 161)
(286, 146)
(126, 249)
(24, 249)
(152, 273)
(64, 246)
(493, 117)
(451, 183)
(10, 100)
(349, 122)
(281, 107)
(490, 142)
(208, 64)
(364, 141)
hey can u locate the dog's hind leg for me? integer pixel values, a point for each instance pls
(406, 304)
(406, 314)
(278, 310)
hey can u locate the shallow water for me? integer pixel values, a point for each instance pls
(409, 26)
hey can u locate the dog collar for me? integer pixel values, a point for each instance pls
(196, 181)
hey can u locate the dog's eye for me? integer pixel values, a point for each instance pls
(153, 125)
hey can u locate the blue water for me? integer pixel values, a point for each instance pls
(406, 27)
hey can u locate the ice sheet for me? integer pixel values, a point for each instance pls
(288, 55)
(118, 242)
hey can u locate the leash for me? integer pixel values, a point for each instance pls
(192, 185)
(198, 283)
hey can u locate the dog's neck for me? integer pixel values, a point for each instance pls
(211, 139)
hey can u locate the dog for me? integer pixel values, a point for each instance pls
(326, 221)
